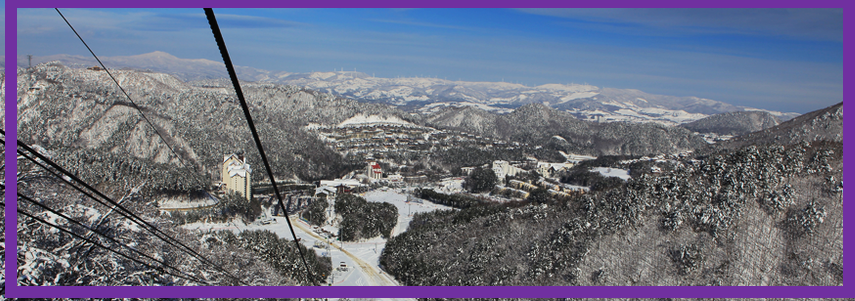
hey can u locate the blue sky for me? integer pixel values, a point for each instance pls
(778, 59)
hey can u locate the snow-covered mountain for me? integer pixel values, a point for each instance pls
(537, 124)
(733, 123)
(80, 113)
(586, 102)
(824, 124)
(158, 61)
(429, 95)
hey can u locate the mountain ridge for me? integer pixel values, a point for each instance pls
(823, 124)
(81, 114)
(425, 95)
(537, 124)
(733, 123)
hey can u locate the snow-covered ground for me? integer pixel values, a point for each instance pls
(360, 119)
(574, 158)
(362, 259)
(450, 186)
(174, 204)
(637, 114)
(405, 209)
(575, 187)
(612, 172)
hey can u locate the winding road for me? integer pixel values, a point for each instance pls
(375, 276)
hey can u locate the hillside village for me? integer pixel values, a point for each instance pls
(371, 137)
(360, 135)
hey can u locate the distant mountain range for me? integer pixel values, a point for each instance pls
(537, 124)
(429, 95)
(184, 69)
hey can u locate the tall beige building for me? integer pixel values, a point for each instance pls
(236, 175)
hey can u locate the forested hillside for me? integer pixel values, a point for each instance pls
(169, 255)
(769, 215)
(90, 126)
(823, 124)
(734, 123)
(537, 124)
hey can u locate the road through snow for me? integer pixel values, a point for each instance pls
(362, 258)
(372, 274)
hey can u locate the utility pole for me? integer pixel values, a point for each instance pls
(30, 58)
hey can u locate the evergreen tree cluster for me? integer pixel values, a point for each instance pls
(362, 219)
(585, 177)
(315, 213)
(481, 180)
(228, 207)
(120, 173)
(280, 253)
(452, 200)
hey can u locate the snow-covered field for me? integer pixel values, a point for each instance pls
(450, 186)
(362, 259)
(638, 114)
(174, 204)
(360, 119)
(405, 209)
(612, 172)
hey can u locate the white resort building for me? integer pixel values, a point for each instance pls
(503, 168)
(236, 175)
(549, 170)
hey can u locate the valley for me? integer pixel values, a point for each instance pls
(696, 192)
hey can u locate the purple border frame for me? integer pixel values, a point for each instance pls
(15, 291)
